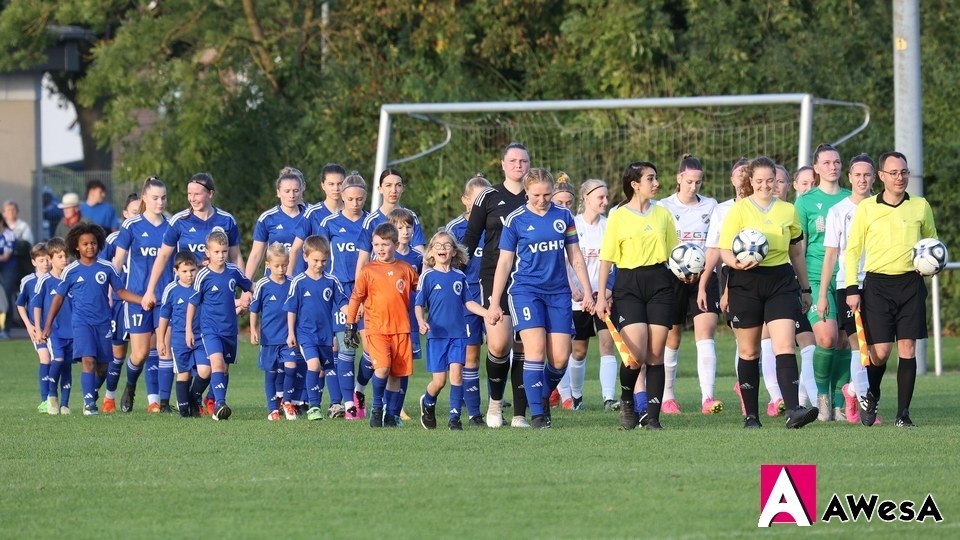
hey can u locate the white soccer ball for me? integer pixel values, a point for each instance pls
(686, 260)
(750, 245)
(929, 256)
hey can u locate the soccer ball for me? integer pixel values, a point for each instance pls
(929, 256)
(750, 245)
(686, 260)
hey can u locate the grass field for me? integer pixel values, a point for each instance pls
(140, 476)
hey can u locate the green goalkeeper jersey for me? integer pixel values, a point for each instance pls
(812, 208)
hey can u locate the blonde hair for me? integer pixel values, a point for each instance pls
(458, 259)
(475, 181)
(586, 188)
(563, 183)
(537, 175)
(277, 249)
(219, 237)
(354, 180)
(316, 243)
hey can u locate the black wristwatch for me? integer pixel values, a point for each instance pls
(806, 291)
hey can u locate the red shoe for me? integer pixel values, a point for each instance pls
(289, 410)
(555, 398)
(711, 406)
(850, 407)
(211, 406)
(670, 406)
(109, 406)
(736, 390)
(274, 416)
(775, 408)
(568, 404)
(153, 408)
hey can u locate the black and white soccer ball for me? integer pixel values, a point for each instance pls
(750, 245)
(929, 256)
(686, 260)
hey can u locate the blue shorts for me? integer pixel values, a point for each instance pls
(227, 346)
(322, 352)
(118, 324)
(93, 340)
(272, 357)
(139, 320)
(185, 360)
(441, 352)
(42, 346)
(290, 355)
(61, 348)
(474, 329)
(549, 311)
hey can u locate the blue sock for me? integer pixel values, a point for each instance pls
(183, 398)
(88, 383)
(379, 388)
(471, 390)
(640, 401)
(366, 369)
(330, 374)
(289, 384)
(456, 398)
(269, 388)
(301, 392)
(133, 373)
(279, 381)
(152, 368)
(113, 374)
(53, 377)
(219, 386)
(226, 380)
(345, 375)
(390, 400)
(313, 388)
(429, 399)
(533, 386)
(66, 383)
(551, 377)
(43, 377)
(165, 379)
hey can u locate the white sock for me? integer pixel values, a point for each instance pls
(768, 363)
(706, 368)
(736, 360)
(807, 381)
(608, 376)
(564, 386)
(858, 375)
(670, 357)
(153, 398)
(577, 370)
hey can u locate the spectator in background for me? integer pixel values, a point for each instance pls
(71, 214)
(8, 276)
(20, 228)
(96, 209)
(52, 214)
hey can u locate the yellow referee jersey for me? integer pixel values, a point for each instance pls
(779, 223)
(633, 239)
(886, 234)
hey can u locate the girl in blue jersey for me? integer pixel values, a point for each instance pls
(137, 246)
(537, 235)
(267, 309)
(60, 342)
(342, 229)
(215, 290)
(474, 324)
(278, 224)
(171, 337)
(331, 183)
(310, 304)
(444, 292)
(89, 280)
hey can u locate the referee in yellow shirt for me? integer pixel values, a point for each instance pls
(639, 235)
(893, 301)
(766, 292)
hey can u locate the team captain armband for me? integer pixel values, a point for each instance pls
(796, 240)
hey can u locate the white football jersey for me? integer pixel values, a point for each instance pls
(716, 223)
(692, 220)
(838, 229)
(591, 236)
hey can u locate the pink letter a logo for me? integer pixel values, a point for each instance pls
(788, 494)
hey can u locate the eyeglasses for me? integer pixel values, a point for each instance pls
(444, 245)
(898, 174)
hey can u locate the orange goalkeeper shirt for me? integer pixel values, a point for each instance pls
(385, 290)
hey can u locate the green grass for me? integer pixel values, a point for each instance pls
(145, 476)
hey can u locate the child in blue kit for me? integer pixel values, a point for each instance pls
(41, 265)
(172, 337)
(215, 290)
(444, 292)
(60, 342)
(310, 305)
(406, 222)
(89, 280)
(267, 309)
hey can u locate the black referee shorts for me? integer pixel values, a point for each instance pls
(763, 294)
(644, 295)
(894, 307)
(686, 294)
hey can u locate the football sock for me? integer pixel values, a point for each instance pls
(874, 378)
(313, 388)
(366, 371)
(88, 385)
(498, 367)
(395, 403)
(113, 376)
(640, 402)
(807, 378)
(345, 376)
(670, 358)
(858, 374)
(533, 386)
(133, 373)
(165, 379)
(577, 370)
(706, 367)
(768, 367)
(839, 376)
(152, 376)
(301, 390)
(471, 390)
(197, 388)
(456, 398)
(53, 375)
(379, 388)
(608, 377)
(906, 380)
(516, 378)
(66, 383)
(219, 384)
(822, 367)
(183, 398)
(429, 399)
(788, 376)
(628, 380)
(43, 377)
(279, 381)
(749, 378)
(330, 374)
(551, 378)
(655, 381)
(289, 383)
(269, 388)
(564, 387)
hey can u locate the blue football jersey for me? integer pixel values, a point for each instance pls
(443, 295)
(90, 287)
(268, 299)
(173, 307)
(539, 244)
(142, 240)
(44, 291)
(458, 228)
(188, 232)
(216, 292)
(343, 234)
(315, 301)
(27, 291)
(365, 243)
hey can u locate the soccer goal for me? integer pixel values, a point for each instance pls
(597, 138)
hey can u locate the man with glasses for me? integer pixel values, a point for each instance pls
(893, 295)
